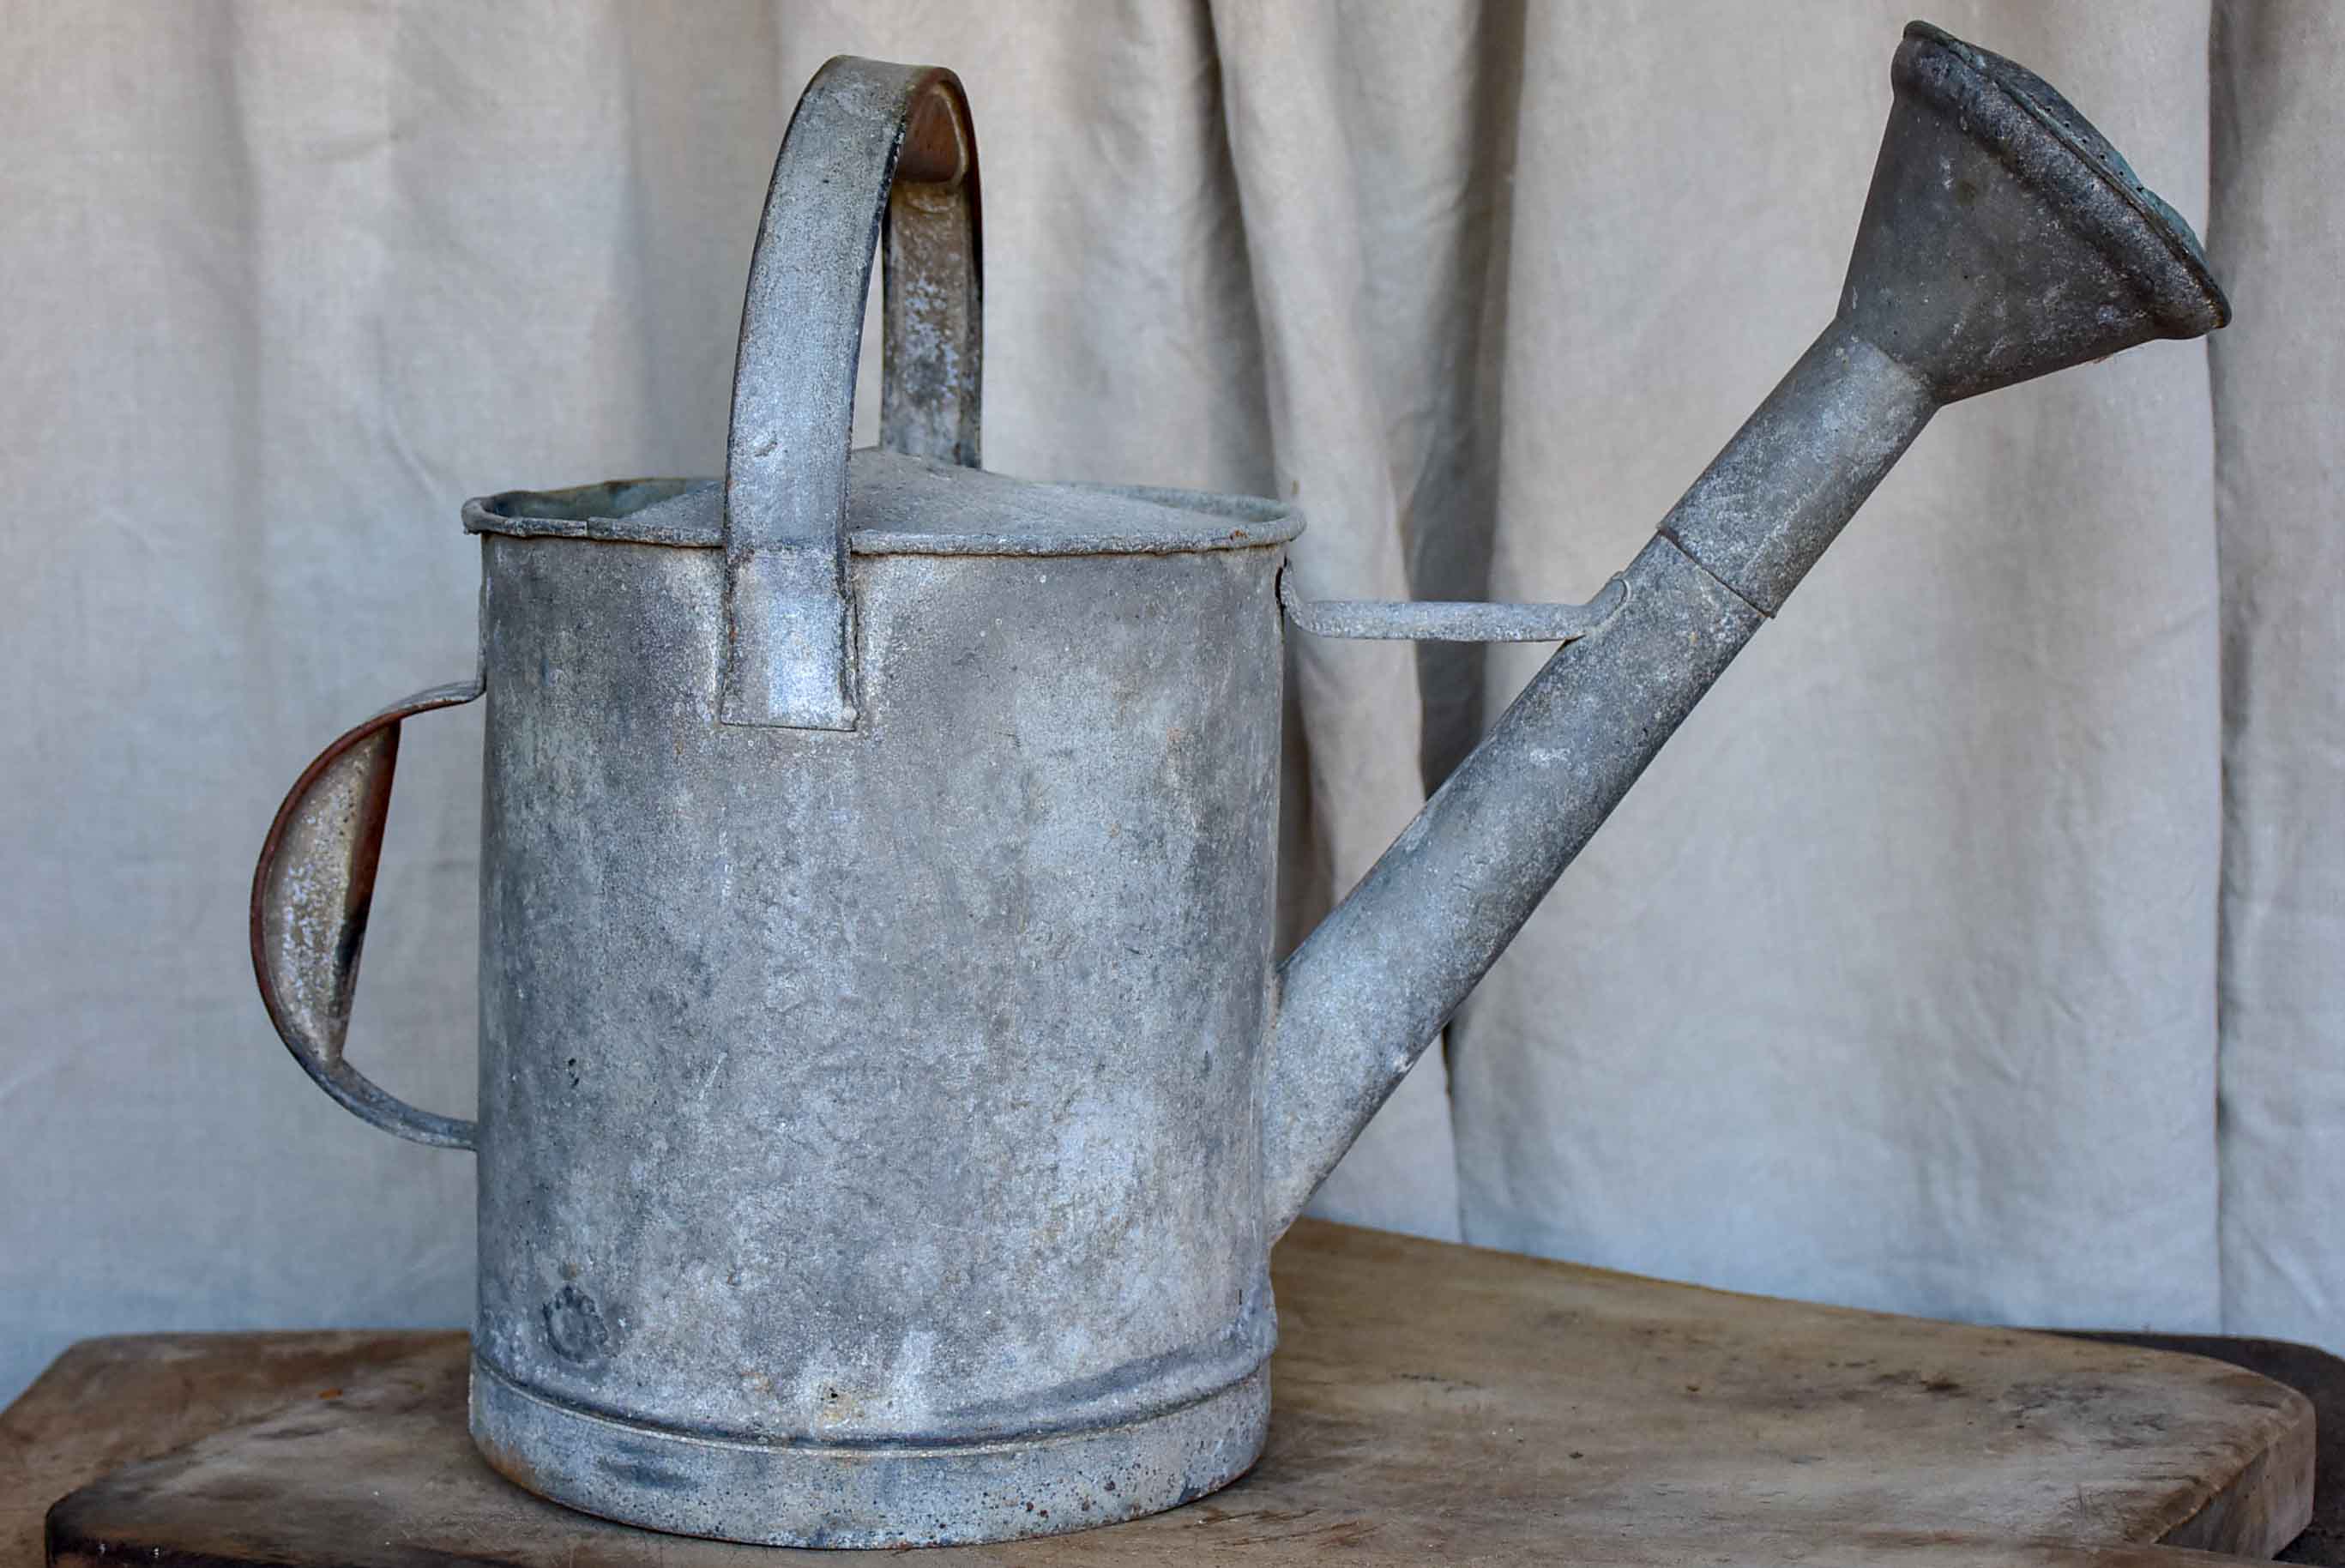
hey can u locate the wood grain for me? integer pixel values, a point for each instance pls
(1434, 1403)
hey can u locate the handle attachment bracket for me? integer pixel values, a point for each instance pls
(876, 154)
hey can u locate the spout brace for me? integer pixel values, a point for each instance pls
(1432, 621)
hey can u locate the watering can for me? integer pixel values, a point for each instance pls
(887, 1095)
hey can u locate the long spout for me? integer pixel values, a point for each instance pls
(1369, 990)
(2003, 239)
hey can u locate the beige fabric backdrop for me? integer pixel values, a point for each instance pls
(1975, 950)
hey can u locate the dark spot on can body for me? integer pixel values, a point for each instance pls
(574, 1326)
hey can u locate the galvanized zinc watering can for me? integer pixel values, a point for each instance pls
(887, 1097)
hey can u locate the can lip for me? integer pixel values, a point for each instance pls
(899, 505)
(2139, 229)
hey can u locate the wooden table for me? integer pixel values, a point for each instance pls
(1434, 1403)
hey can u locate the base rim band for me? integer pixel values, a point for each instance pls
(801, 1494)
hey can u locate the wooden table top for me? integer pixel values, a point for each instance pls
(1433, 1403)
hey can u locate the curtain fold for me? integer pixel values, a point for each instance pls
(2277, 234)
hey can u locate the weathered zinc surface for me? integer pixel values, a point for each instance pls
(847, 1090)
(887, 1100)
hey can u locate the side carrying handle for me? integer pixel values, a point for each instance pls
(310, 895)
(876, 153)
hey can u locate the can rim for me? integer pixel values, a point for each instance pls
(979, 513)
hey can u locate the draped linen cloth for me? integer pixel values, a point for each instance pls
(1978, 948)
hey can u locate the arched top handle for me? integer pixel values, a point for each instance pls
(876, 155)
